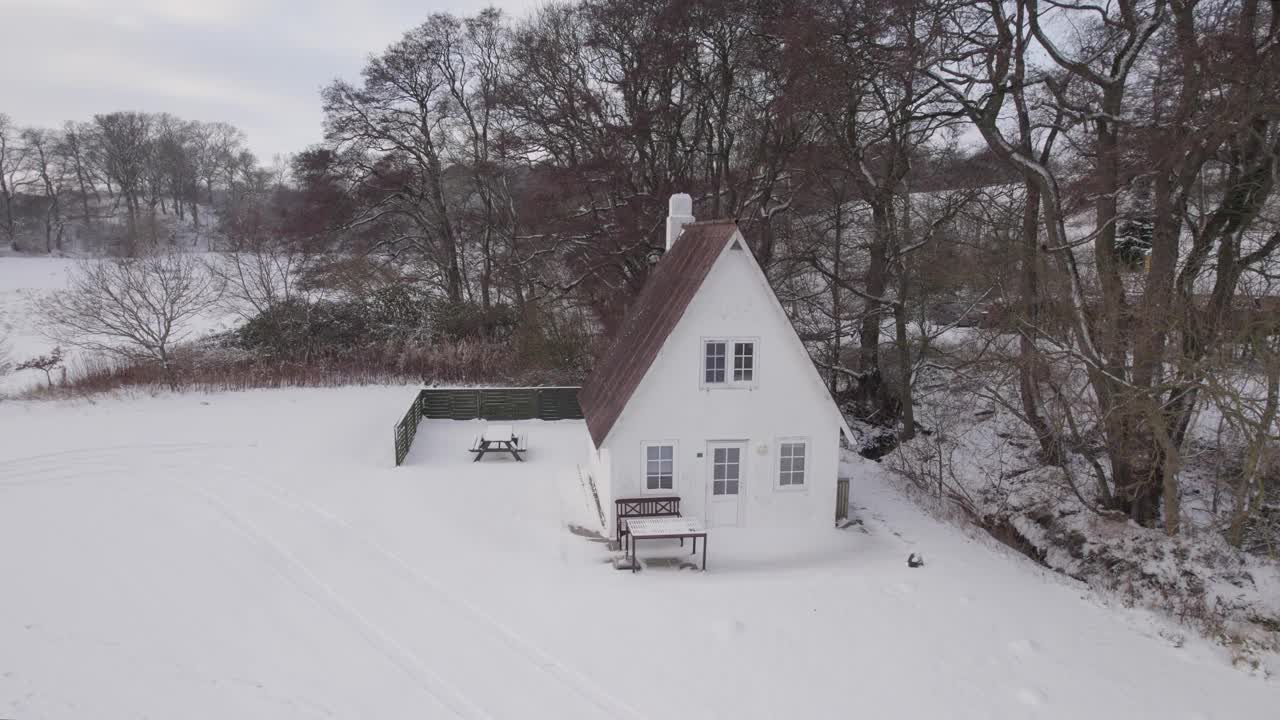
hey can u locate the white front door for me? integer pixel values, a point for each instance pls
(724, 484)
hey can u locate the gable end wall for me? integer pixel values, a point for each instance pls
(671, 404)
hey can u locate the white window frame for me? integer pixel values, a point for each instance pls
(729, 356)
(803, 486)
(644, 467)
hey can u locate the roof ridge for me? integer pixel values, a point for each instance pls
(649, 320)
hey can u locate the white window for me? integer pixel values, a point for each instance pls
(791, 463)
(659, 467)
(744, 361)
(726, 470)
(729, 362)
(714, 362)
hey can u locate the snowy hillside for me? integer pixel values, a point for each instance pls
(24, 282)
(256, 555)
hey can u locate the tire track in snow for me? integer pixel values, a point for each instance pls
(111, 449)
(69, 464)
(337, 605)
(574, 679)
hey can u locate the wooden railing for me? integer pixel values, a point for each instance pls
(511, 403)
(842, 499)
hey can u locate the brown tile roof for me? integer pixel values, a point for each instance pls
(650, 319)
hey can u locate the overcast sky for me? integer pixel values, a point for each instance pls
(258, 64)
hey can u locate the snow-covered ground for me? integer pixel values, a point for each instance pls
(256, 555)
(23, 281)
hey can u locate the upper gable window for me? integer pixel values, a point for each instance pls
(744, 361)
(714, 362)
(729, 362)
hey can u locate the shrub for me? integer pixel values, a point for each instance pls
(394, 315)
(300, 329)
(470, 321)
(392, 334)
(397, 311)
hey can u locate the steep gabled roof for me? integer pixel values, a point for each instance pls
(650, 319)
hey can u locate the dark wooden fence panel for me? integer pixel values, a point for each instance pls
(559, 404)
(515, 403)
(508, 404)
(407, 428)
(842, 499)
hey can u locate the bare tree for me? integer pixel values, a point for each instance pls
(1204, 134)
(49, 174)
(258, 277)
(394, 127)
(125, 140)
(14, 175)
(46, 363)
(6, 360)
(76, 151)
(136, 309)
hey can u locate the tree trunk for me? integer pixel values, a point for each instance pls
(870, 386)
(1030, 364)
(903, 343)
(1249, 491)
(837, 316)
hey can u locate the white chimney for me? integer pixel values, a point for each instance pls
(679, 214)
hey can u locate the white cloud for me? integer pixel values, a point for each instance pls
(256, 63)
(141, 12)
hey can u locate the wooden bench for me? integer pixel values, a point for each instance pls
(642, 507)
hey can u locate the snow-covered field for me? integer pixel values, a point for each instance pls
(24, 281)
(256, 555)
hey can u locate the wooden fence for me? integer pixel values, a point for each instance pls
(514, 403)
(842, 499)
(407, 428)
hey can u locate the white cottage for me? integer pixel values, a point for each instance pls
(708, 394)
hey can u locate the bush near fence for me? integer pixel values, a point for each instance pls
(208, 368)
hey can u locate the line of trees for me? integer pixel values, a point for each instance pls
(120, 171)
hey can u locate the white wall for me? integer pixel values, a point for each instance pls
(787, 401)
(598, 468)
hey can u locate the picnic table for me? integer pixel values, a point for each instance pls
(660, 528)
(499, 438)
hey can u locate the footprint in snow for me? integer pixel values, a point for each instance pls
(1031, 697)
(728, 628)
(902, 591)
(1024, 648)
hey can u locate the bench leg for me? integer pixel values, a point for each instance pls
(704, 554)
